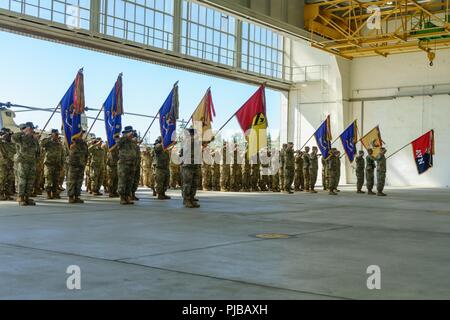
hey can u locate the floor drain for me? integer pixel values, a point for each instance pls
(272, 236)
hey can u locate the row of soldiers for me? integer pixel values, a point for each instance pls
(44, 163)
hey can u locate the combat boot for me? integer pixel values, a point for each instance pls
(123, 200)
(166, 196)
(49, 195)
(29, 201)
(195, 199)
(129, 200)
(72, 199)
(22, 201)
(78, 200)
(360, 191)
(154, 192)
(56, 195)
(382, 194)
(332, 193)
(371, 192)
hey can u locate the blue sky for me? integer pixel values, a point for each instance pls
(38, 73)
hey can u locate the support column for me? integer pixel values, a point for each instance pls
(177, 15)
(238, 45)
(94, 19)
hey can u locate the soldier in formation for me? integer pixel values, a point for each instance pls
(299, 182)
(360, 164)
(370, 171)
(381, 172)
(7, 152)
(162, 174)
(78, 157)
(289, 167)
(126, 165)
(53, 152)
(313, 169)
(26, 158)
(306, 167)
(189, 171)
(96, 166)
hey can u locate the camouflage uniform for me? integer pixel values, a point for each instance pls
(381, 173)
(359, 160)
(215, 180)
(162, 174)
(370, 173)
(281, 171)
(299, 182)
(27, 156)
(175, 175)
(78, 155)
(264, 177)
(313, 170)
(96, 169)
(39, 180)
(289, 168)
(206, 176)
(53, 165)
(137, 170)
(7, 152)
(112, 159)
(224, 172)
(246, 173)
(338, 171)
(126, 168)
(332, 167)
(147, 169)
(255, 173)
(325, 175)
(189, 172)
(105, 181)
(199, 178)
(236, 173)
(306, 172)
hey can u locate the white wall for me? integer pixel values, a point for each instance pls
(401, 120)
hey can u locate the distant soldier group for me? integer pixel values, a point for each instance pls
(30, 164)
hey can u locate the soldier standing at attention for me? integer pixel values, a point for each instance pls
(7, 151)
(125, 165)
(215, 181)
(111, 164)
(313, 169)
(324, 173)
(137, 166)
(289, 167)
(96, 171)
(162, 174)
(147, 170)
(78, 156)
(281, 171)
(338, 169)
(189, 171)
(53, 163)
(246, 171)
(39, 180)
(105, 181)
(332, 164)
(224, 170)
(381, 172)
(370, 172)
(27, 156)
(306, 166)
(298, 178)
(360, 163)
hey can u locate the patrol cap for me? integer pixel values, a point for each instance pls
(127, 129)
(29, 125)
(55, 131)
(22, 126)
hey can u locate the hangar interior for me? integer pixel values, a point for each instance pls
(363, 60)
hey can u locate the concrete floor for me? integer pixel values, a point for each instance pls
(160, 250)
